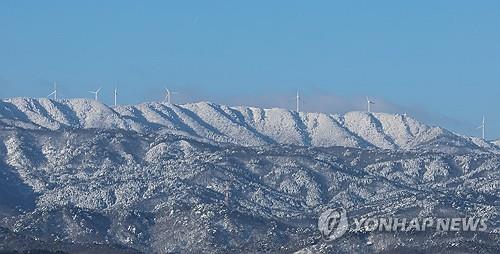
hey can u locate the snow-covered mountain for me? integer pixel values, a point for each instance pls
(496, 142)
(82, 177)
(247, 126)
(116, 191)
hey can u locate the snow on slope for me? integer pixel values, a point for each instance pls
(125, 188)
(496, 142)
(50, 114)
(246, 126)
(326, 130)
(369, 128)
(280, 125)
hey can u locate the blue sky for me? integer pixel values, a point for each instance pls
(437, 60)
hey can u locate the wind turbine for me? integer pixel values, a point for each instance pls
(54, 93)
(115, 94)
(168, 95)
(369, 102)
(96, 92)
(298, 101)
(483, 126)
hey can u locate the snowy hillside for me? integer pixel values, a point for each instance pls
(115, 191)
(245, 126)
(82, 177)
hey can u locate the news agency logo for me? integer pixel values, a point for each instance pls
(333, 224)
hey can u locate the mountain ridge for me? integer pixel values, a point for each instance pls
(247, 126)
(72, 190)
(208, 178)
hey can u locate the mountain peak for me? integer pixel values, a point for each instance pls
(247, 126)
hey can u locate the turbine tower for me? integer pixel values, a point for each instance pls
(168, 95)
(298, 101)
(482, 127)
(96, 93)
(54, 93)
(369, 103)
(115, 94)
